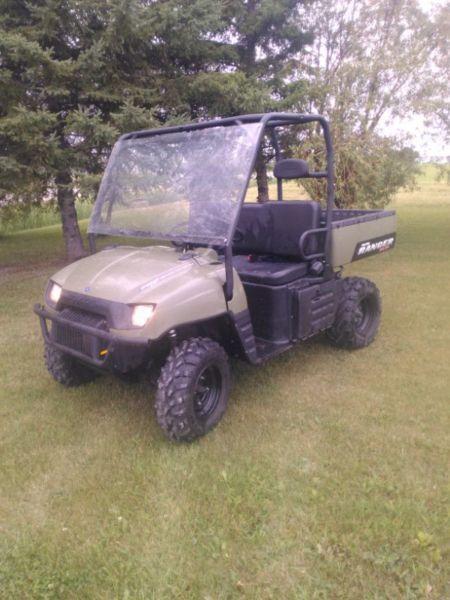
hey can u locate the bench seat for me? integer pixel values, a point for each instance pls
(268, 271)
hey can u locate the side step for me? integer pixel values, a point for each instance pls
(267, 349)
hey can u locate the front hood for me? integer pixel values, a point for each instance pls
(127, 274)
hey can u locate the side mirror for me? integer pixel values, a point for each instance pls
(291, 168)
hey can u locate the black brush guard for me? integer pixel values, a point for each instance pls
(91, 344)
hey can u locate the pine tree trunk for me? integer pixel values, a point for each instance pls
(261, 179)
(69, 220)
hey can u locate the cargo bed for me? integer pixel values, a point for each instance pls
(356, 234)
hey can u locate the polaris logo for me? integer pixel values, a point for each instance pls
(374, 246)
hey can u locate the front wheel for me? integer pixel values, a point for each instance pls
(65, 369)
(358, 314)
(193, 389)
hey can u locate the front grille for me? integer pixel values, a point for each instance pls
(86, 318)
(77, 340)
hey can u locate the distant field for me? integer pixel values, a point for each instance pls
(327, 478)
(428, 190)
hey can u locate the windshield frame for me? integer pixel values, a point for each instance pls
(95, 228)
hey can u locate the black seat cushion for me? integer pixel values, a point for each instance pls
(276, 227)
(268, 271)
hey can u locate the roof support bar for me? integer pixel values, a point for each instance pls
(270, 120)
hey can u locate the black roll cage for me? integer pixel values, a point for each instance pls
(269, 121)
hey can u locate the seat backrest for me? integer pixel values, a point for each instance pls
(275, 227)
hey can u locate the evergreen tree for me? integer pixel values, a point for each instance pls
(261, 42)
(76, 73)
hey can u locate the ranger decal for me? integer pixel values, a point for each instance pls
(374, 246)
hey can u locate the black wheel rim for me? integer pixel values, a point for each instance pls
(365, 313)
(207, 392)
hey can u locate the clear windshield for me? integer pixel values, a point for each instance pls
(183, 186)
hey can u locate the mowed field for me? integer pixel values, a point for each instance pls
(327, 478)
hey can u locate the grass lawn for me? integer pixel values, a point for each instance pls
(327, 478)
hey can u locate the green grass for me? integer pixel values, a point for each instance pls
(429, 191)
(327, 478)
(37, 217)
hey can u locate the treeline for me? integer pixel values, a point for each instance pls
(77, 73)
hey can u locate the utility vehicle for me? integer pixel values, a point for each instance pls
(221, 277)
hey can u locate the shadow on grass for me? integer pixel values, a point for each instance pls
(133, 402)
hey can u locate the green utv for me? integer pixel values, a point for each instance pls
(233, 278)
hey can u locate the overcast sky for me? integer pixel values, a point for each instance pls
(429, 144)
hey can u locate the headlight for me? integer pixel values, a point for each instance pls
(141, 315)
(53, 293)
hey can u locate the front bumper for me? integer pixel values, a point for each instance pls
(95, 346)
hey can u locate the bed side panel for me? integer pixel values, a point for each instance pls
(358, 240)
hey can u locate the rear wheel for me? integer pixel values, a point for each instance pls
(193, 389)
(65, 369)
(358, 314)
